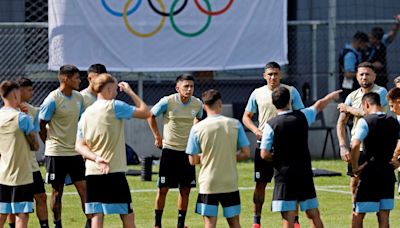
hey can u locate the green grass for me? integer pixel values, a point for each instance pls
(333, 194)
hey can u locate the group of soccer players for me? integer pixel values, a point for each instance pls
(84, 141)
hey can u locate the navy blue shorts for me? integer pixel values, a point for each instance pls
(175, 170)
(207, 204)
(59, 167)
(263, 170)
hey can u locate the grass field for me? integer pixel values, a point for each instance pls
(333, 194)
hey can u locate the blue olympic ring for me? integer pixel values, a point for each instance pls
(120, 14)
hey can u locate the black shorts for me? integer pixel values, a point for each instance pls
(207, 204)
(263, 170)
(376, 186)
(108, 194)
(361, 161)
(294, 183)
(57, 168)
(38, 183)
(175, 170)
(16, 199)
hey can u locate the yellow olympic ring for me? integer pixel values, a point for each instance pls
(136, 33)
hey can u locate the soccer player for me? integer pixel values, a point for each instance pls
(88, 94)
(352, 106)
(292, 162)
(17, 138)
(214, 143)
(39, 193)
(101, 140)
(180, 111)
(379, 134)
(260, 101)
(393, 98)
(59, 115)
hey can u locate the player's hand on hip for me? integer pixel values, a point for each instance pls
(102, 165)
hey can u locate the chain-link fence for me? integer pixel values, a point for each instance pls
(24, 50)
(317, 30)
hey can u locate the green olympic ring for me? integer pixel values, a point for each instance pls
(193, 34)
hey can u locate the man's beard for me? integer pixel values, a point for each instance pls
(366, 85)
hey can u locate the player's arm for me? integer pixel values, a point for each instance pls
(27, 127)
(199, 115)
(244, 154)
(395, 28)
(266, 143)
(47, 110)
(360, 133)
(341, 134)
(323, 102)
(152, 121)
(396, 156)
(355, 155)
(247, 120)
(243, 144)
(82, 148)
(158, 109)
(297, 103)
(342, 107)
(141, 110)
(33, 141)
(194, 159)
(193, 148)
(43, 130)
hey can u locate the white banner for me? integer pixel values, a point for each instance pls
(167, 35)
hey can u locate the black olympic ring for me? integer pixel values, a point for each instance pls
(164, 13)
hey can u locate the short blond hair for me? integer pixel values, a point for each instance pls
(101, 81)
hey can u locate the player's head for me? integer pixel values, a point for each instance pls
(370, 100)
(212, 100)
(366, 74)
(94, 70)
(393, 98)
(396, 81)
(185, 85)
(26, 88)
(280, 97)
(360, 41)
(69, 76)
(272, 74)
(10, 91)
(376, 35)
(106, 85)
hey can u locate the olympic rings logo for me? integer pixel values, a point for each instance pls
(130, 8)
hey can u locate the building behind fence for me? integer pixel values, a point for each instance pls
(317, 30)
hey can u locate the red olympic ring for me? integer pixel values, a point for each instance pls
(213, 13)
